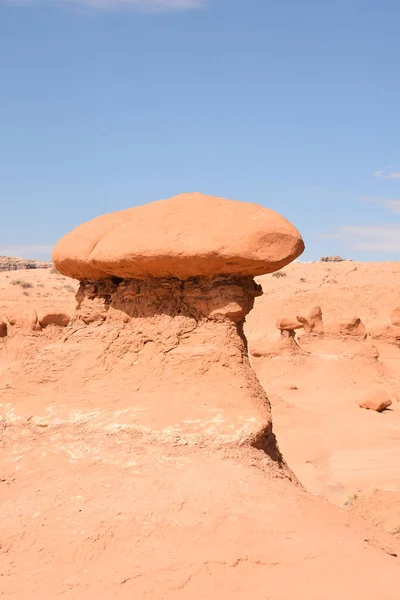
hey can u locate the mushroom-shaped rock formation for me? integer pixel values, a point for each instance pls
(124, 435)
(171, 283)
(313, 322)
(189, 235)
(287, 327)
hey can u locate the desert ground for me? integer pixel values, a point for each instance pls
(103, 495)
(336, 449)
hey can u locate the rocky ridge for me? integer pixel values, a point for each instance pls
(13, 263)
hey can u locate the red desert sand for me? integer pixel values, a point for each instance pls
(138, 458)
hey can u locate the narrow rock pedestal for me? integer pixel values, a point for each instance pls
(182, 349)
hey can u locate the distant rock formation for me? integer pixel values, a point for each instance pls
(334, 259)
(13, 263)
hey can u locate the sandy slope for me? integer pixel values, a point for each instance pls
(335, 448)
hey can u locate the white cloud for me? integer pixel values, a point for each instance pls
(378, 238)
(26, 251)
(383, 238)
(157, 5)
(386, 173)
(391, 204)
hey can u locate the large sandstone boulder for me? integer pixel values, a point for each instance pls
(189, 235)
(287, 324)
(378, 400)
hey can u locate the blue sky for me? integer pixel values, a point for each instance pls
(105, 104)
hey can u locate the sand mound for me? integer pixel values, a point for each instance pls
(381, 507)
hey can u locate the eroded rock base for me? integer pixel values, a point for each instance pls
(216, 298)
(165, 358)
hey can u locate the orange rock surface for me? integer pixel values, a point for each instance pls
(378, 400)
(189, 235)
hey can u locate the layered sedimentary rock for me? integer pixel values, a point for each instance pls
(184, 342)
